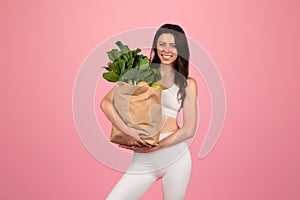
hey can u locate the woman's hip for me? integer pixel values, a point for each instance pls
(163, 157)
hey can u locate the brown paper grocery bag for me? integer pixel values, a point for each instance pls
(140, 108)
(117, 137)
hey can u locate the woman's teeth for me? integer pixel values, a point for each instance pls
(166, 56)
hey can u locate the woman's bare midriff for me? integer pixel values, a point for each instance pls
(170, 125)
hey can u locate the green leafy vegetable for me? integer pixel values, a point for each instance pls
(129, 66)
(111, 76)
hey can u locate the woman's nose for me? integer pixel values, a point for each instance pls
(166, 48)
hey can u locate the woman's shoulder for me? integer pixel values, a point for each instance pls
(191, 81)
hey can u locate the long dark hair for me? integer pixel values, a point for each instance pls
(181, 64)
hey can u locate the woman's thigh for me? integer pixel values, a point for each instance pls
(176, 178)
(131, 186)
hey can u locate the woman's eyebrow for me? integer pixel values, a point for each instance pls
(165, 42)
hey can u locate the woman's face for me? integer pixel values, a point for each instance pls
(166, 49)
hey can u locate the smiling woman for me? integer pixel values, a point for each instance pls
(166, 49)
(170, 159)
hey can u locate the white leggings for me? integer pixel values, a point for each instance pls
(171, 164)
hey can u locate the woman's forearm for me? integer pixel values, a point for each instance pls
(185, 132)
(189, 118)
(110, 112)
(179, 136)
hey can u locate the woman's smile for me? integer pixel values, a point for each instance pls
(166, 49)
(166, 57)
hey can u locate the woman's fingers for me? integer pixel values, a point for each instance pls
(141, 149)
(135, 141)
(143, 143)
(140, 143)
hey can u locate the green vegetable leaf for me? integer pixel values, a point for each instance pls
(124, 48)
(130, 54)
(137, 51)
(112, 67)
(156, 72)
(111, 76)
(111, 57)
(113, 54)
(122, 65)
(125, 57)
(145, 61)
(130, 63)
(143, 68)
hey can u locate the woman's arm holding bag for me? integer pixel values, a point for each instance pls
(110, 112)
(189, 120)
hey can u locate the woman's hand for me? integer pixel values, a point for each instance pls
(133, 141)
(142, 149)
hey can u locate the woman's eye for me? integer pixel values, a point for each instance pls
(165, 44)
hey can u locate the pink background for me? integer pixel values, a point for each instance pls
(255, 45)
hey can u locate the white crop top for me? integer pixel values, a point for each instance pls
(169, 101)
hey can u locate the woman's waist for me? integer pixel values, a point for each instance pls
(164, 156)
(169, 125)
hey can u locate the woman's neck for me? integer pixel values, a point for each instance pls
(166, 69)
(167, 73)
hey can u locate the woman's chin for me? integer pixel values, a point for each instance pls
(167, 62)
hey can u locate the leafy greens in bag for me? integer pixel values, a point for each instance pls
(129, 66)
